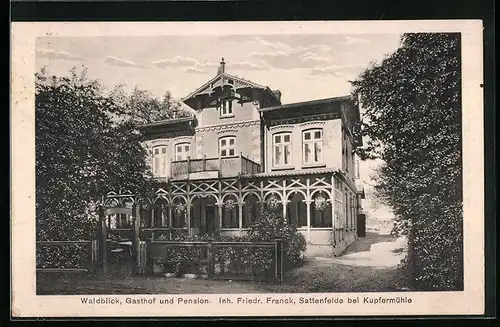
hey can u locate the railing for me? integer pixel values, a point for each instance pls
(225, 166)
(162, 234)
(262, 261)
(67, 256)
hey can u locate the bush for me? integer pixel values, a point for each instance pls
(270, 225)
(256, 261)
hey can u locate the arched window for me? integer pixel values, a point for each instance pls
(312, 146)
(230, 217)
(296, 214)
(196, 212)
(179, 213)
(250, 210)
(282, 149)
(159, 161)
(182, 151)
(321, 210)
(227, 146)
(160, 213)
(124, 220)
(146, 216)
(273, 202)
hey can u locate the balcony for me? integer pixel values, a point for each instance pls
(207, 168)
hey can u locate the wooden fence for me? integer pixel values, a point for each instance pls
(67, 256)
(261, 261)
(218, 260)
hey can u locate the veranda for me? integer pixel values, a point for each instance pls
(322, 204)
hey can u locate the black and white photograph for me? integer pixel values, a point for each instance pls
(243, 168)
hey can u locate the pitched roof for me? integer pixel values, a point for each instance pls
(229, 76)
(166, 122)
(306, 103)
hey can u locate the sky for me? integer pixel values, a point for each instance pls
(302, 67)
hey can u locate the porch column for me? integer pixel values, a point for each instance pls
(240, 215)
(188, 216)
(136, 236)
(219, 218)
(332, 198)
(240, 205)
(104, 243)
(188, 208)
(308, 211)
(284, 200)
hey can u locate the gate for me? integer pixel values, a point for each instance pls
(142, 257)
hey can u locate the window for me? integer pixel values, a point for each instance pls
(230, 217)
(182, 151)
(321, 216)
(282, 145)
(296, 214)
(312, 141)
(160, 213)
(250, 209)
(227, 146)
(179, 214)
(159, 160)
(227, 108)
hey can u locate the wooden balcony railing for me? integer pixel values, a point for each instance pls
(224, 166)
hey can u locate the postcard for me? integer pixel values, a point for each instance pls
(235, 169)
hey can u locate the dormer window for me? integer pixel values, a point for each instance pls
(227, 146)
(227, 108)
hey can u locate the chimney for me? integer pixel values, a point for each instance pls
(221, 68)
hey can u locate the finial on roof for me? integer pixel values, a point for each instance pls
(221, 68)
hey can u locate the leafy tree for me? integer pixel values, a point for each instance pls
(141, 106)
(82, 151)
(412, 121)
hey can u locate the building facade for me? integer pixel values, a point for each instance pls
(242, 149)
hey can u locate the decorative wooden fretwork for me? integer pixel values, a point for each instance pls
(281, 128)
(224, 127)
(303, 119)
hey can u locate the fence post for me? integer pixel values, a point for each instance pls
(92, 255)
(104, 240)
(136, 242)
(204, 162)
(149, 257)
(189, 164)
(278, 257)
(210, 259)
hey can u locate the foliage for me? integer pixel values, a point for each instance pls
(73, 256)
(141, 106)
(412, 121)
(271, 225)
(82, 151)
(257, 261)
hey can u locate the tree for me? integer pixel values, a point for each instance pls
(141, 106)
(412, 121)
(82, 151)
